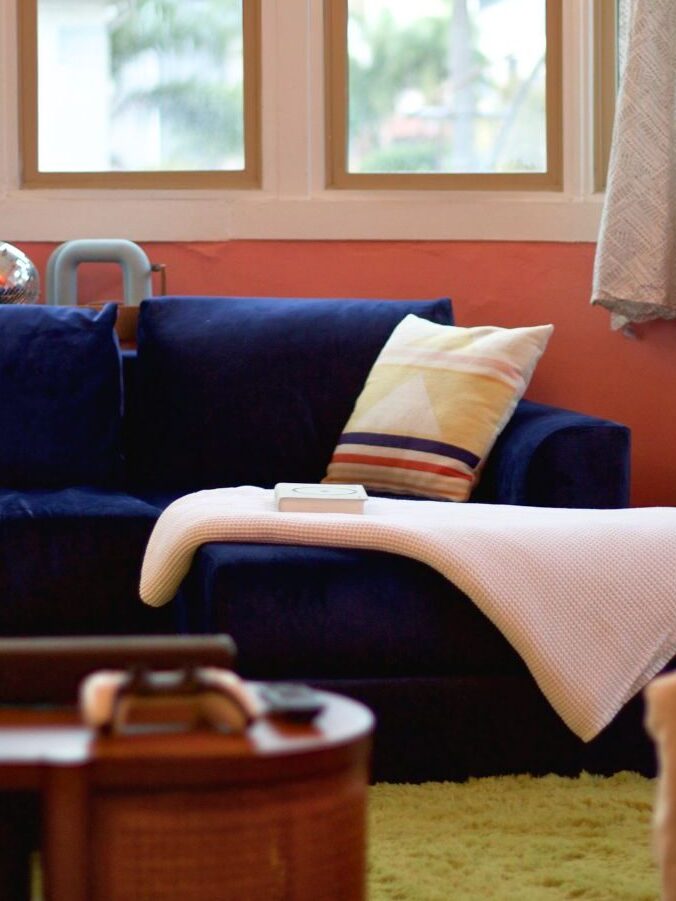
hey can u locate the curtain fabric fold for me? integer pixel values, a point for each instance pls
(635, 265)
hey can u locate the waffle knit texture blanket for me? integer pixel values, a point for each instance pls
(586, 597)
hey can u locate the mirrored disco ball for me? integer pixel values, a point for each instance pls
(19, 279)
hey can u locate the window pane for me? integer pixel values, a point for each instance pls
(623, 14)
(447, 86)
(140, 85)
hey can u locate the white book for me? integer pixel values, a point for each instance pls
(300, 497)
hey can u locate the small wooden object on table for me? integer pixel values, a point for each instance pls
(126, 322)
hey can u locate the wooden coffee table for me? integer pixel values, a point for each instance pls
(277, 813)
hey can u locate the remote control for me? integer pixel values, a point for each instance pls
(291, 701)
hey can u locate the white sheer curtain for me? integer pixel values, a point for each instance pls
(635, 266)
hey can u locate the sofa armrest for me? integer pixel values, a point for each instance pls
(549, 457)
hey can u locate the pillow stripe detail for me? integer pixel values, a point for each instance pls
(497, 369)
(408, 482)
(435, 462)
(409, 442)
(401, 463)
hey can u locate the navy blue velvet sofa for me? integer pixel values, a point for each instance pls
(231, 391)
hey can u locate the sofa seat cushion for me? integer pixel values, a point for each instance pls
(332, 612)
(60, 397)
(253, 391)
(70, 562)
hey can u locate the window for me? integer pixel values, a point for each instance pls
(139, 92)
(523, 167)
(445, 93)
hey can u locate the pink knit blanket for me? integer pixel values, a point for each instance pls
(586, 597)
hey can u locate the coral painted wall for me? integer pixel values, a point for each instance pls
(586, 366)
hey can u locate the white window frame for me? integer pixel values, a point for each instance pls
(293, 202)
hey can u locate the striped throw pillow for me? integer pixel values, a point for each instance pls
(433, 405)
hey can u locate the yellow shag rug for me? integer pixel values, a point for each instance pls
(513, 838)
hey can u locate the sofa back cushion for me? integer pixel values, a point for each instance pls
(60, 397)
(249, 390)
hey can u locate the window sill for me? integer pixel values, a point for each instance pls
(60, 215)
